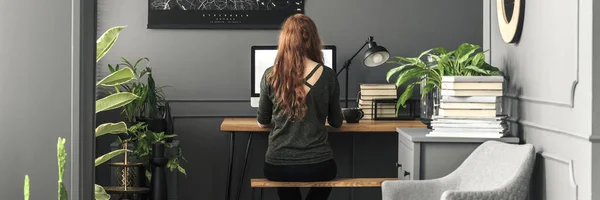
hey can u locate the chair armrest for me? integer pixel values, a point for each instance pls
(500, 193)
(421, 189)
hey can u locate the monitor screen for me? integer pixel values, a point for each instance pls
(263, 57)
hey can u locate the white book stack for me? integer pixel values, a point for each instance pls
(468, 108)
(371, 92)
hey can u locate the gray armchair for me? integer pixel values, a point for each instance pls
(495, 170)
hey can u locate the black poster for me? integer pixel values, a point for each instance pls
(221, 14)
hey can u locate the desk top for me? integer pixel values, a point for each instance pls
(365, 125)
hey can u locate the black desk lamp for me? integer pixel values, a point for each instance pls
(374, 56)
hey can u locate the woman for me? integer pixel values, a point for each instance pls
(298, 94)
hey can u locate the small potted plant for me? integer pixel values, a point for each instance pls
(464, 61)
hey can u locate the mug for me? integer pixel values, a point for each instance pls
(353, 115)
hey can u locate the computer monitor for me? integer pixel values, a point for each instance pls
(263, 57)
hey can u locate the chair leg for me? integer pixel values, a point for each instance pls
(252, 194)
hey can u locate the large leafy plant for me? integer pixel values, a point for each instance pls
(466, 60)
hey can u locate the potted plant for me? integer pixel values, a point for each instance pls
(150, 107)
(464, 61)
(144, 141)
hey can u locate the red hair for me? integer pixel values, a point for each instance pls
(299, 39)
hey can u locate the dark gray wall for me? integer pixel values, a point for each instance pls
(549, 98)
(214, 65)
(35, 108)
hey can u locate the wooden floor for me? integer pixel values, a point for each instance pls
(342, 182)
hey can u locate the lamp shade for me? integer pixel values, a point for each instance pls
(376, 55)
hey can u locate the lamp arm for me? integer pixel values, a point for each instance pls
(347, 63)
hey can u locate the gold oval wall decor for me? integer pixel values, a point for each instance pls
(509, 27)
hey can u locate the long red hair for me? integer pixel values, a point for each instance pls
(299, 39)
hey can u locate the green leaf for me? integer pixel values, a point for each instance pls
(440, 50)
(140, 60)
(61, 155)
(478, 59)
(26, 188)
(405, 96)
(108, 156)
(62, 191)
(106, 41)
(181, 170)
(114, 101)
(117, 78)
(424, 53)
(110, 68)
(477, 69)
(414, 73)
(429, 85)
(111, 128)
(148, 175)
(100, 193)
(399, 69)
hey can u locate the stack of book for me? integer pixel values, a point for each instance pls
(371, 92)
(468, 108)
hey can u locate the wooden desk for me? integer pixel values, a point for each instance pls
(371, 126)
(249, 125)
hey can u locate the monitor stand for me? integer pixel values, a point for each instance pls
(254, 102)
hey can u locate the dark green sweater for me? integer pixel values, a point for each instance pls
(296, 142)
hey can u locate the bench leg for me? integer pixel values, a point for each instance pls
(229, 170)
(252, 194)
(241, 182)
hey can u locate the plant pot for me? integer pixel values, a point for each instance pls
(429, 106)
(158, 182)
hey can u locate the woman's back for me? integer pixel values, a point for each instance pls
(297, 96)
(302, 141)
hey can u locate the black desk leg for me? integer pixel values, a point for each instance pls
(352, 163)
(231, 153)
(241, 182)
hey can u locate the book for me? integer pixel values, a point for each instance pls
(469, 130)
(471, 86)
(371, 97)
(467, 113)
(369, 111)
(469, 99)
(465, 135)
(488, 106)
(368, 92)
(469, 125)
(459, 119)
(379, 107)
(472, 92)
(377, 86)
(370, 116)
(473, 79)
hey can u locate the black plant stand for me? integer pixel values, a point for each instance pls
(159, 179)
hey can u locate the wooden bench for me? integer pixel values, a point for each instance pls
(338, 183)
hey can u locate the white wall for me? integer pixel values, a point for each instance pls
(549, 94)
(35, 94)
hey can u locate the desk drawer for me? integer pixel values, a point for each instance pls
(405, 161)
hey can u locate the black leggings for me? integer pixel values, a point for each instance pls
(324, 171)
